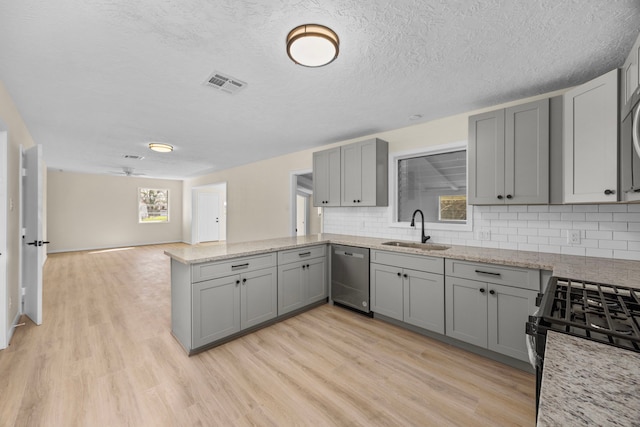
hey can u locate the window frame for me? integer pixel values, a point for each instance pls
(166, 190)
(393, 186)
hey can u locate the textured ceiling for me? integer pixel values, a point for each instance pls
(97, 79)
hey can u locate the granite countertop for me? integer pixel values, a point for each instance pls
(585, 383)
(613, 271)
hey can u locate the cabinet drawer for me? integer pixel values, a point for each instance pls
(504, 275)
(308, 252)
(414, 262)
(212, 270)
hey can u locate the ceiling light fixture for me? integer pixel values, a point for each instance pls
(161, 148)
(312, 45)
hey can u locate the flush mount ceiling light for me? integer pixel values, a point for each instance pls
(161, 148)
(312, 45)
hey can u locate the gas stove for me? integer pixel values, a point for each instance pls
(599, 312)
(596, 311)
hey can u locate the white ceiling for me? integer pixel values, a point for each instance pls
(97, 79)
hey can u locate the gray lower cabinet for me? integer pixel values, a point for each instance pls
(302, 278)
(488, 305)
(412, 296)
(227, 305)
(213, 300)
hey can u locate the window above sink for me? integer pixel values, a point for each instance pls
(433, 180)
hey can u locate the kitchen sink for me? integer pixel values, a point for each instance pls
(423, 246)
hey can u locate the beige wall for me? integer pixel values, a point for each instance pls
(100, 211)
(18, 135)
(258, 194)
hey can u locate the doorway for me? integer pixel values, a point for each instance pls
(305, 219)
(209, 213)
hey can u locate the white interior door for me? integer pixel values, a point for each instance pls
(33, 244)
(208, 217)
(4, 331)
(302, 211)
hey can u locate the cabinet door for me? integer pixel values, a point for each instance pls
(291, 292)
(316, 280)
(508, 310)
(526, 173)
(216, 309)
(466, 310)
(326, 177)
(424, 300)
(386, 291)
(351, 174)
(486, 158)
(258, 297)
(591, 141)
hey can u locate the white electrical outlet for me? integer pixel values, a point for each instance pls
(484, 234)
(573, 237)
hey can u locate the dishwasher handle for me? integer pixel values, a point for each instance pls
(349, 254)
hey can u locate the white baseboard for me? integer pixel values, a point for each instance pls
(99, 248)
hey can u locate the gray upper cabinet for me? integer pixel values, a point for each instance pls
(591, 141)
(509, 155)
(326, 177)
(365, 173)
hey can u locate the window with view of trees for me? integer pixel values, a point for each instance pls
(434, 183)
(153, 205)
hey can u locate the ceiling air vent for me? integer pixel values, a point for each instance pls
(225, 83)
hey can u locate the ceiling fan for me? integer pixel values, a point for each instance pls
(127, 171)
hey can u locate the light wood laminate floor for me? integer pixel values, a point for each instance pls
(104, 356)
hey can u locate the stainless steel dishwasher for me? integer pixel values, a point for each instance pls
(350, 277)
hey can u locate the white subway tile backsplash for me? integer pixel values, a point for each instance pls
(508, 215)
(613, 226)
(628, 217)
(551, 216)
(573, 250)
(600, 235)
(579, 225)
(517, 208)
(528, 216)
(606, 230)
(538, 208)
(560, 208)
(612, 208)
(585, 208)
(574, 216)
(600, 253)
(632, 255)
(602, 216)
(613, 244)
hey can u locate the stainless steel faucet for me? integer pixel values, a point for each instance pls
(413, 224)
